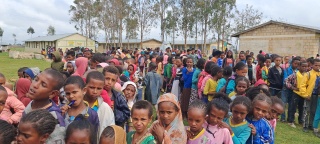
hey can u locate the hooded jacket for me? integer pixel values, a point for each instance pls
(32, 72)
(57, 64)
(82, 65)
(12, 103)
(22, 87)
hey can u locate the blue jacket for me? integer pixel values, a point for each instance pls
(264, 132)
(187, 77)
(287, 72)
(121, 109)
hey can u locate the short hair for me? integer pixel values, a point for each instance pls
(276, 100)
(120, 69)
(142, 104)
(215, 70)
(200, 105)
(41, 120)
(72, 53)
(81, 123)
(22, 69)
(303, 62)
(111, 69)
(152, 66)
(251, 93)
(239, 66)
(88, 51)
(248, 56)
(200, 63)
(208, 66)
(261, 58)
(75, 80)
(57, 77)
(227, 71)
(98, 57)
(94, 75)
(262, 97)
(221, 101)
(242, 100)
(316, 60)
(67, 74)
(7, 132)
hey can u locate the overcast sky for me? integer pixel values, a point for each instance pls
(16, 16)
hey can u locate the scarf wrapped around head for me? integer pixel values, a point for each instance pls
(82, 65)
(177, 133)
(132, 73)
(32, 72)
(115, 61)
(130, 102)
(119, 135)
(22, 88)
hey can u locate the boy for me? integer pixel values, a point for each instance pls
(120, 107)
(220, 59)
(311, 100)
(153, 84)
(20, 72)
(88, 54)
(215, 56)
(57, 63)
(93, 89)
(251, 75)
(275, 77)
(297, 83)
(70, 57)
(286, 91)
(96, 59)
(45, 86)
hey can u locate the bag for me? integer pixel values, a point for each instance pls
(316, 89)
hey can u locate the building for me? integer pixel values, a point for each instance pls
(281, 38)
(63, 41)
(130, 43)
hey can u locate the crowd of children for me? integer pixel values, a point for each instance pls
(109, 98)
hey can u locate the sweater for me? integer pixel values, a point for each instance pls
(311, 82)
(187, 77)
(12, 103)
(195, 77)
(221, 83)
(301, 84)
(264, 132)
(241, 131)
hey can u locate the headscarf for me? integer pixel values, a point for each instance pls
(130, 102)
(119, 135)
(103, 64)
(57, 64)
(260, 82)
(115, 61)
(176, 134)
(22, 88)
(32, 72)
(132, 73)
(82, 65)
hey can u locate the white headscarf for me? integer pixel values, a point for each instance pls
(130, 102)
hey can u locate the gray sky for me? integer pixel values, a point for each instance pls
(16, 16)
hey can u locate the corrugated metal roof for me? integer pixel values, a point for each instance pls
(191, 42)
(50, 38)
(310, 28)
(132, 41)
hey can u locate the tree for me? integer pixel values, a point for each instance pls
(161, 8)
(247, 18)
(51, 30)
(30, 31)
(172, 21)
(186, 21)
(131, 28)
(14, 38)
(144, 12)
(1, 34)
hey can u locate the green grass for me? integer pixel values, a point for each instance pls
(284, 133)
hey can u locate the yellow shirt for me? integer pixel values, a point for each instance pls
(211, 86)
(232, 94)
(159, 69)
(301, 84)
(311, 81)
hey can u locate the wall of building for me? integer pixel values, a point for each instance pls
(37, 46)
(282, 40)
(75, 40)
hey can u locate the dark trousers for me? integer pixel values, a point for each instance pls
(296, 102)
(310, 107)
(274, 92)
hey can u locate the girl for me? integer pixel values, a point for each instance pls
(228, 61)
(276, 109)
(176, 75)
(211, 84)
(242, 84)
(130, 91)
(204, 76)
(141, 114)
(261, 130)
(35, 127)
(227, 72)
(30, 73)
(254, 91)
(74, 88)
(242, 57)
(168, 74)
(194, 87)
(196, 118)
(159, 61)
(240, 69)
(187, 73)
(169, 127)
(80, 131)
(132, 68)
(241, 131)
(8, 132)
(71, 67)
(113, 135)
(82, 65)
(22, 88)
(217, 110)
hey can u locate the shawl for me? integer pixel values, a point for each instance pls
(119, 135)
(82, 65)
(22, 88)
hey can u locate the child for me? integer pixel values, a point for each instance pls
(37, 127)
(242, 84)
(3, 98)
(228, 61)
(74, 88)
(130, 92)
(20, 72)
(252, 92)
(285, 63)
(196, 118)
(167, 74)
(96, 59)
(94, 86)
(217, 110)
(268, 62)
(220, 59)
(204, 76)
(22, 88)
(242, 58)
(261, 130)
(276, 109)
(31, 73)
(71, 67)
(153, 84)
(169, 127)
(211, 84)
(159, 61)
(141, 115)
(45, 85)
(240, 69)
(113, 135)
(80, 131)
(260, 67)
(70, 56)
(275, 77)
(196, 73)
(82, 65)
(87, 54)
(251, 70)
(240, 107)
(187, 73)
(227, 72)
(8, 132)
(215, 55)
(57, 63)
(176, 76)
(120, 107)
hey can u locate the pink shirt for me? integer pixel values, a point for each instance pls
(273, 123)
(221, 135)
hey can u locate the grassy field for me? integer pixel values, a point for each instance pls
(284, 133)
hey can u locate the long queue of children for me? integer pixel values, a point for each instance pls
(98, 98)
